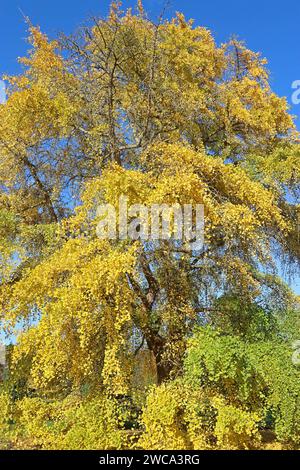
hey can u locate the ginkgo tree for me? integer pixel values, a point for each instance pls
(156, 112)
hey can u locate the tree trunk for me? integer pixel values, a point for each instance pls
(156, 344)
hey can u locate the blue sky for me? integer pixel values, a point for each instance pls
(2, 92)
(270, 28)
(266, 26)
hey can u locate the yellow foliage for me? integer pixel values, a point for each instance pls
(180, 417)
(162, 115)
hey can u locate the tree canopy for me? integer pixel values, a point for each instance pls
(160, 113)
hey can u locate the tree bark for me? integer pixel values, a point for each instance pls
(156, 344)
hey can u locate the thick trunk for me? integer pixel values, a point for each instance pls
(163, 371)
(156, 344)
